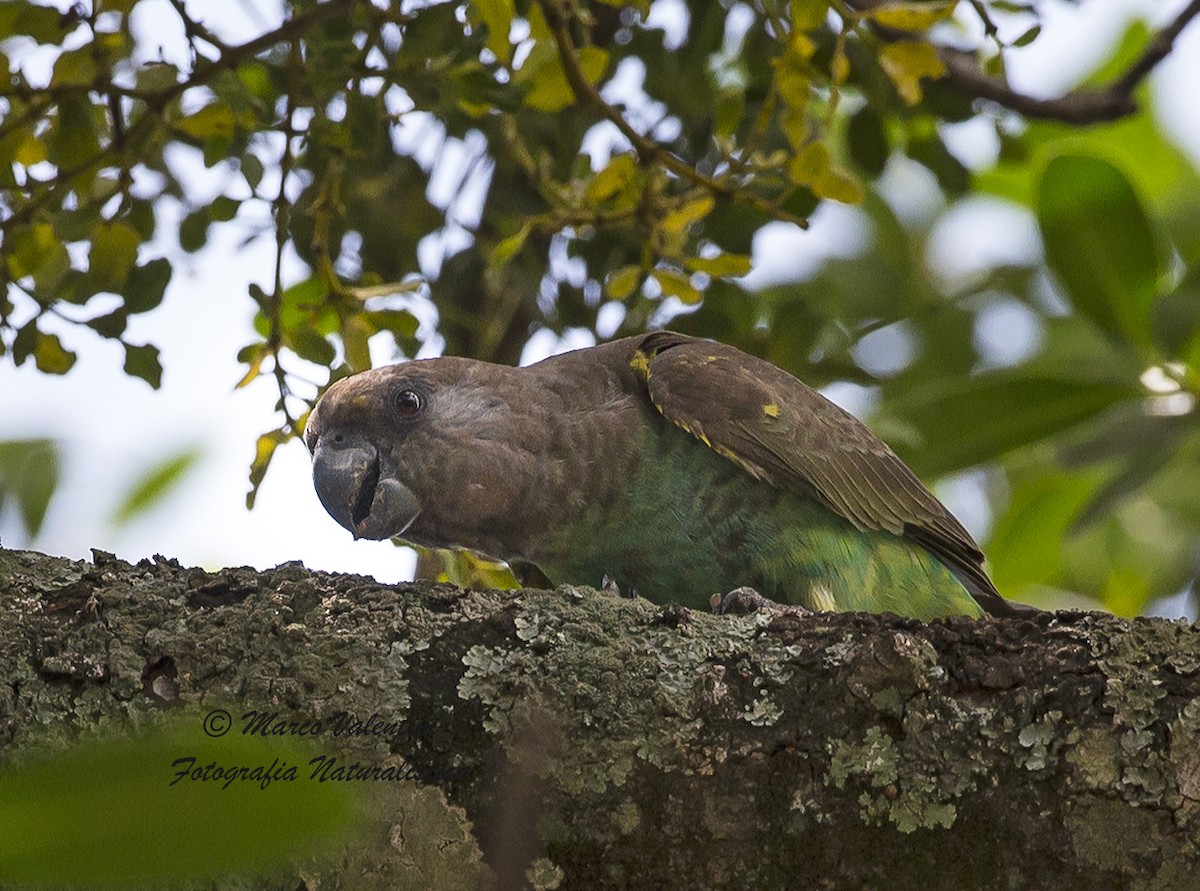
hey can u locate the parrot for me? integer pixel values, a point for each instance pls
(676, 467)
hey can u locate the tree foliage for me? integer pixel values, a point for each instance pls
(526, 165)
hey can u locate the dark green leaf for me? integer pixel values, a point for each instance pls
(72, 140)
(142, 361)
(110, 324)
(146, 285)
(867, 141)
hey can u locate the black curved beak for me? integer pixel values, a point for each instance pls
(357, 489)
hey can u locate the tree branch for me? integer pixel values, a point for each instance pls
(615, 743)
(1084, 106)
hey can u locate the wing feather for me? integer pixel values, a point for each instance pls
(779, 429)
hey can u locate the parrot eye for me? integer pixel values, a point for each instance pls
(408, 403)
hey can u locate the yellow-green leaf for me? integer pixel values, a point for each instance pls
(550, 91)
(693, 211)
(720, 266)
(810, 164)
(214, 119)
(839, 68)
(620, 173)
(675, 285)
(30, 150)
(838, 185)
(496, 16)
(50, 355)
(808, 15)
(112, 255)
(508, 247)
(621, 283)
(356, 332)
(906, 62)
(264, 451)
(33, 247)
(911, 16)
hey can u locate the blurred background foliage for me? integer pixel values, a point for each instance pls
(508, 168)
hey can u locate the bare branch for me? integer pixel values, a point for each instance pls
(1085, 106)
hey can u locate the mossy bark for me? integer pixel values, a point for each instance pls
(575, 739)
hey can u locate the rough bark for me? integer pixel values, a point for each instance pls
(575, 739)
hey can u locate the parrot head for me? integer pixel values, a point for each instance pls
(395, 449)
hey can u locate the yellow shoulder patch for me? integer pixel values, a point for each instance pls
(640, 363)
(771, 410)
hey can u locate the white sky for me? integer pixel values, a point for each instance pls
(115, 427)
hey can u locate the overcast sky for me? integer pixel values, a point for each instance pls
(114, 427)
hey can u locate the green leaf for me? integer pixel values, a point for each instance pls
(144, 789)
(110, 324)
(356, 334)
(74, 68)
(43, 23)
(1099, 244)
(963, 422)
(308, 344)
(29, 475)
(155, 486)
(1026, 545)
(810, 164)
(142, 361)
(1028, 37)
(868, 143)
(400, 323)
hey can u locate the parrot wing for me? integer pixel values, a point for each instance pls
(783, 432)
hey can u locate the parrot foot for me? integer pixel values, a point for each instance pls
(745, 600)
